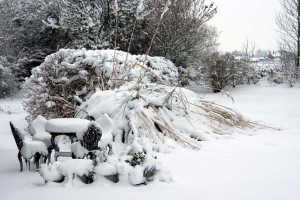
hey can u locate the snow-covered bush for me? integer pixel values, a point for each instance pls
(223, 70)
(270, 70)
(160, 113)
(68, 77)
(8, 82)
(115, 168)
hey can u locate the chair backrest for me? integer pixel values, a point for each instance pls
(91, 137)
(17, 135)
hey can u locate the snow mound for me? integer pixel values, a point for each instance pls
(105, 169)
(72, 167)
(51, 172)
(136, 175)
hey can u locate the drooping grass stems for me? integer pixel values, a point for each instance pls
(116, 9)
(138, 13)
(130, 41)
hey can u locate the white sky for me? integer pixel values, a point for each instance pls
(241, 19)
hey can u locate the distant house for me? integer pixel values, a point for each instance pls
(271, 55)
(266, 58)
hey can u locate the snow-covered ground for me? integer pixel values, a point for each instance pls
(263, 164)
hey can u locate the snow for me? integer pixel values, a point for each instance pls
(78, 150)
(107, 126)
(31, 147)
(262, 164)
(105, 169)
(82, 129)
(37, 130)
(72, 167)
(66, 125)
(136, 175)
(50, 172)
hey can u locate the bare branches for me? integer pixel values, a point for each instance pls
(289, 28)
(248, 49)
(288, 22)
(183, 34)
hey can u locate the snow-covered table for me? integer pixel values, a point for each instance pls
(65, 126)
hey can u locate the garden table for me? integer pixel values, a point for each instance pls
(64, 126)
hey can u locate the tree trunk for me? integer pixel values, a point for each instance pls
(298, 38)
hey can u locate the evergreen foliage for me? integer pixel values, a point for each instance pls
(8, 83)
(137, 159)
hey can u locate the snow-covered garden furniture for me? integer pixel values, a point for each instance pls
(28, 148)
(38, 132)
(67, 127)
(67, 171)
(88, 142)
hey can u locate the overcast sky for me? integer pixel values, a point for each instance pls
(239, 19)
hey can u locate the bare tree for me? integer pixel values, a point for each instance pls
(248, 49)
(184, 32)
(288, 22)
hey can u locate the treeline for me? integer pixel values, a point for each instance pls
(31, 30)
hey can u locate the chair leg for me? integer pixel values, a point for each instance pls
(110, 150)
(28, 164)
(27, 161)
(49, 155)
(20, 160)
(37, 157)
(43, 159)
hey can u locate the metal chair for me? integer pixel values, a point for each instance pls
(89, 141)
(28, 149)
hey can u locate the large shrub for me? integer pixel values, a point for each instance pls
(58, 86)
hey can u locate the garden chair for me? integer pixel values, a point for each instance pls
(28, 148)
(38, 132)
(88, 142)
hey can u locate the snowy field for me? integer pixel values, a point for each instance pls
(262, 164)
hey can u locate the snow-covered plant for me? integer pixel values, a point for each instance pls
(223, 70)
(160, 114)
(67, 78)
(137, 159)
